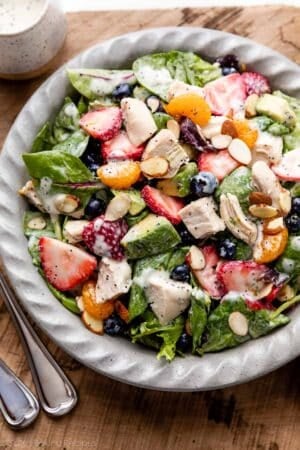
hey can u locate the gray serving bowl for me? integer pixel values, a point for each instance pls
(117, 357)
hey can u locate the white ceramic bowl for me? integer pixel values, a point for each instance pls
(116, 357)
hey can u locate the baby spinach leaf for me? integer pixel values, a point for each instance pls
(82, 105)
(43, 140)
(34, 235)
(68, 302)
(198, 312)
(286, 305)
(60, 167)
(68, 117)
(95, 83)
(75, 144)
(264, 321)
(156, 72)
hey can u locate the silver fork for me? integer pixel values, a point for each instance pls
(55, 391)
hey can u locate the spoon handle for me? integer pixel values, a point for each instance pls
(55, 391)
(17, 403)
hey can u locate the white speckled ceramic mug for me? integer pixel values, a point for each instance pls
(31, 34)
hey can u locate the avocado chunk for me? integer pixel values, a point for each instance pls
(277, 108)
(151, 236)
(179, 186)
(137, 203)
(237, 183)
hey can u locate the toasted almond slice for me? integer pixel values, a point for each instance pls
(250, 105)
(66, 203)
(37, 223)
(273, 226)
(238, 323)
(153, 103)
(118, 207)
(188, 328)
(195, 258)
(174, 127)
(79, 302)
(229, 129)
(221, 141)
(213, 127)
(266, 290)
(263, 211)
(155, 167)
(95, 325)
(73, 230)
(286, 293)
(256, 198)
(240, 151)
(285, 201)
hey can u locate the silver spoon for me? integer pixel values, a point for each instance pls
(17, 403)
(56, 393)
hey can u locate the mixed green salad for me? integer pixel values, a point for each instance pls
(164, 203)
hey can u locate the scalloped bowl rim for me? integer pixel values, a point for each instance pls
(116, 357)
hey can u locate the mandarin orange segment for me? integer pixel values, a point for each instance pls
(270, 247)
(122, 311)
(190, 105)
(97, 310)
(245, 133)
(119, 174)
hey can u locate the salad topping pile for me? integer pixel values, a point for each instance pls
(165, 203)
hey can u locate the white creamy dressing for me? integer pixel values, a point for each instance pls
(17, 15)
(295, 243)
(161, 76)
(47, 199)
(102, 86)
(70, 110)
(288, 265)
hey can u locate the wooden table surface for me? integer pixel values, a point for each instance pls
(263, 414)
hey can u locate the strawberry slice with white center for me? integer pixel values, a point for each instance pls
(103, 123)
(120, 148)
(65, 266)
(226, 94)
(162, 204)
(207, 277)
(245, 277)
(255, 83)
(289, 167)
(219, 163)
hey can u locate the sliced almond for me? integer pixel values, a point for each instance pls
(273, 226)
(213, 127)
(240, 151)
(195, 258)
(174, 127)
(263, 211)
(37, 223)
(221, 141)
(66, 203)
(80, 303)
(286, 293)
(250, 105)
(73, 230)
(229, 129)
(238, 323)
(118, 207)
(255, 198)
(155, 167)
(188, 328)
(285, 201)
(265, 291)
(153, 103)
(95, 325)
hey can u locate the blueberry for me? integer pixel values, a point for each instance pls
(229, 61)
(203, 184)
(114, 326)
(228, 70)
(227, 249)
(186, 237)
(181, 273)
(122, 91)
(296, 205)
(94, 208)
(92, 156)
(154, 104)
(292, 222)
(184, 343)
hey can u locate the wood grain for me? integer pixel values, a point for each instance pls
(263, 414)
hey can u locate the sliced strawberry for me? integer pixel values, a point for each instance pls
(65, 266)
(207, 277)
(246, 277)
(256, 305)
(219, 163)
(162, 204)
(103, 237)
(226, 94)
(102, 123)
(289, 167)
(255, 83)
(120, 148)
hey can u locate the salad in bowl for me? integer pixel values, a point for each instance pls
(164, 203)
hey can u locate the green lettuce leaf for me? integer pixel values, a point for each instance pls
(198, 313)
(75, 144)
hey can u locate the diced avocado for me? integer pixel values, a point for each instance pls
(179, 185)
(237, 183)
(277, 108)
(151, 236)
(161, 120)
(291, 140)
(137, 203)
